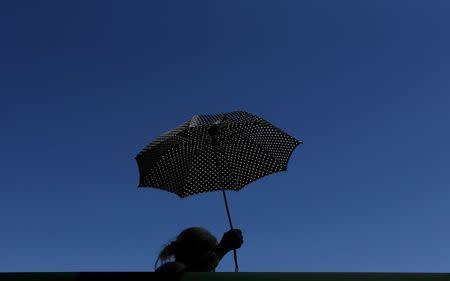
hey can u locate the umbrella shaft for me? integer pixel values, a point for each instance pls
(228, 210)
(236, 267)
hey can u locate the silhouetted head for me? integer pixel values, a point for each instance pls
(195, 248)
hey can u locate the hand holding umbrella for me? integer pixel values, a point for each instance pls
(231, 240)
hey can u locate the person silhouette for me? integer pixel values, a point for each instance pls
(196, 250)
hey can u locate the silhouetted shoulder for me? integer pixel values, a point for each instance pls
(171, 267)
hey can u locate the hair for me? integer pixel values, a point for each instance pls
(185, 243)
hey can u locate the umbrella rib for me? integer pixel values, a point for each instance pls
(190, 166)
(232, 170)
(183, 187)
(263, 149)
(244, 127)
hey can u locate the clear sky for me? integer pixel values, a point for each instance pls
(85, 85)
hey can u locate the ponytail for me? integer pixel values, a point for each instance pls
(167, 251)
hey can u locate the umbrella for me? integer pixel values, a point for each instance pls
(215, 153)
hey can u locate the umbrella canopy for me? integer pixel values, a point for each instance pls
(215, 152)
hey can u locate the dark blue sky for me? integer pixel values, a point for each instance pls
(85, 85)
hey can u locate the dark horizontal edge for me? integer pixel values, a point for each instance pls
(223, 276)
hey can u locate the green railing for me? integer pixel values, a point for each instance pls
(222, 276)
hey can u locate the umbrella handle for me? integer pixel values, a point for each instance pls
(236, 267)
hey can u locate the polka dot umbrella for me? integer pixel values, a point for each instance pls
(215, 153)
